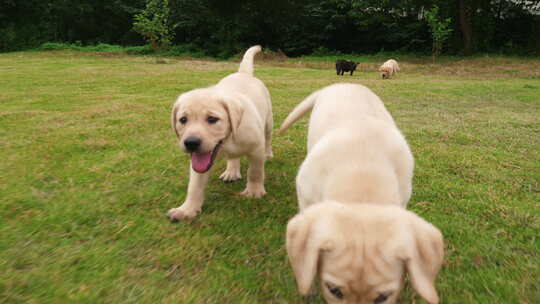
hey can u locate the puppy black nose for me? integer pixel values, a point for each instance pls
(192, 143)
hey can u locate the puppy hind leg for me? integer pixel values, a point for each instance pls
(404, 168)
(309, 187)
(268, 137)
(232, 172)
(255, 176)
(303, 201)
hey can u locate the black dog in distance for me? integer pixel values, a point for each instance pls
(345, 66)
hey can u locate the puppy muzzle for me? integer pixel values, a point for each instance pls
(192, 143)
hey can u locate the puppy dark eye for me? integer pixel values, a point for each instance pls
(335, 291)
(183, 120)
(380, 299)
(212, 119)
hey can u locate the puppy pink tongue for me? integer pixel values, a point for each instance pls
(201, 162)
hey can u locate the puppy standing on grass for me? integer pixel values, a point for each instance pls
(353, 230)
(232, 118)
(345, 66)
(389, 68)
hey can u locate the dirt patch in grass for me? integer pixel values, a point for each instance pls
(469, 67)
(108, 54)
(478, 67)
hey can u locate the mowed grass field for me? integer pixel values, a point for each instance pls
(89, 167)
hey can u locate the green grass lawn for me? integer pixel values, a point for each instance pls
(89, 168)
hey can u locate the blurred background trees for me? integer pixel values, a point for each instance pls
(296, 27)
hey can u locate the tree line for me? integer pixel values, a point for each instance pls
(295, 27)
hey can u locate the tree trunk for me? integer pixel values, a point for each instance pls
(154, 44)
(465, 26)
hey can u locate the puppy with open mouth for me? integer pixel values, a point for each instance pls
(353, 231)
(232, 119)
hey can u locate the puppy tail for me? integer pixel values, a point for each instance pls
(302, 108)
(246, 66)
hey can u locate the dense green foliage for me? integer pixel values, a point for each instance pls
(153, 24)
(222, 28)
(440, 29)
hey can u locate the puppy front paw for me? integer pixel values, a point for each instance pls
(182, 213)
(255, 191)
(230, 176)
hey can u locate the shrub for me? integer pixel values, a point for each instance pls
(322, 51)
(184, 50)
(140, 50)
(153, 24)
(439, 28)
(55, 46)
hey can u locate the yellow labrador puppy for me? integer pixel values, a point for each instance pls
(389, 68)
(355, 151)
(362, 251)
(232, 118)
(357, 178)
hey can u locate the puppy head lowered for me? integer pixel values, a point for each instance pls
(386, 72)
(202, 119)
(361, 252)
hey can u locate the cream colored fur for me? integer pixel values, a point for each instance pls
(355, 151)
(364, 250)
(389, 68)
(352, 189)
(242, 104)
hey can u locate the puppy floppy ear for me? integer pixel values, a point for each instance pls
(235, 111)
(304, 248)
(174, 117)
(425, 258)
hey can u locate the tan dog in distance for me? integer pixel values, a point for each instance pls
(353, 230)
(389, 68)
(232, 118)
